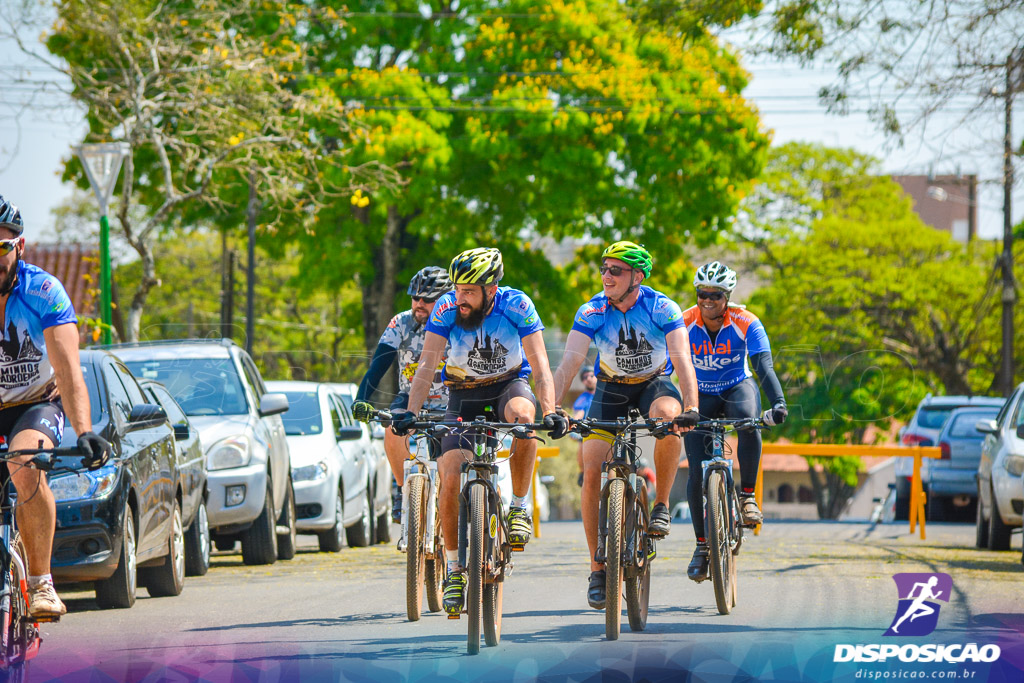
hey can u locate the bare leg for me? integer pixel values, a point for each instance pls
(595, 452)
(524, 452)
(667, 450)
(450, 467)
(37, 512)
(397, 449)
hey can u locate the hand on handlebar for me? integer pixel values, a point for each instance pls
(402, 422)
(556, 424)
(776, 415)
(95, 450)
(362, 411)
(685, 421)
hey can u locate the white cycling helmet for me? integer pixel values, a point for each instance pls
(715, 274)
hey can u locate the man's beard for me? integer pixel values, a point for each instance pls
(7, 286)
(471, 321)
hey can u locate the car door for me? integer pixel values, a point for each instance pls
(989, 450)
(188, 452)
(355, 462)
(277, 444)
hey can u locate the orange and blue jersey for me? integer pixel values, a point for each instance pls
(722, 364)
(631, 346)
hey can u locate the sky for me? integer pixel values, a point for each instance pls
(38, 131)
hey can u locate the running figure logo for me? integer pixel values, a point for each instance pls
(917, 614)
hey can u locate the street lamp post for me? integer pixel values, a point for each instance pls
(102, 164)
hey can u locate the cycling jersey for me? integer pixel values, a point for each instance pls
(721, 363)
(406, 335)
(493, 351)
(631, 346)
(37, 302)
(583, 402)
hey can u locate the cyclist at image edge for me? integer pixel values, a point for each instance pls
(403, 341)
(722, 337)
(580, 408)
(641, 339)
(39, 346)
(495, 341)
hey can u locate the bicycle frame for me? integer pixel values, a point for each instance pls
(719, 462)
(483, 471)
(623, 465)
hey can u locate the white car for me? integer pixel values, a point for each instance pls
(333, 467)
(505, 486)
(1000, 491)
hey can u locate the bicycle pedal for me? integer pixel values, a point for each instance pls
(41, 619)
(454, 616)
(517, 547)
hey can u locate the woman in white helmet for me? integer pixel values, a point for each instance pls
(722, 338)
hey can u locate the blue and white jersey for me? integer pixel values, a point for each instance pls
(631, 346)
(492, 352)
(38, 301)
(723, 365)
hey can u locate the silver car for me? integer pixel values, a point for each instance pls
(333, 466)
(1000, 492)
(952, 481)
(249, 470)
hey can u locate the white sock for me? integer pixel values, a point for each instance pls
(518, 502)
(453, 559)
(34, 581)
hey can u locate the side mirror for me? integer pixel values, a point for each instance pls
(273, 404)
(988, 427)
(350, 433)
(146, 415)
(182, 432)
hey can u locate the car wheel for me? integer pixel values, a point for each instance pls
(331, 540)
(119, 590)
(981, 528)
(998, 531)
(383, 525)
(197, 544)
(360, 534)
(286, 541)
(259, 542)
(936, 508)
(169, 578)
(902, 500)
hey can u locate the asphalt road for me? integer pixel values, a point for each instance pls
(803, 588)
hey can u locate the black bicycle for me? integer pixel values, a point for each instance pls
(20, 637)
(623, 545)
(723, 526)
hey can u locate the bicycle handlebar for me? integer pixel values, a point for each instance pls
(40, 462)
(733, 424)
(427, 422)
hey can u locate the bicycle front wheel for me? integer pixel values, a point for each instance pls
(475, 571)
(718, 541)
(638, 587)
(16, 632)
(415, 560)
(613, 564)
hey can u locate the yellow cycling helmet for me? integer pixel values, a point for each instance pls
(480, 266)
(632, 254)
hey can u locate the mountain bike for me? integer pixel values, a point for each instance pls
(421, 539)
(20, 637)
(484, 547)
(723, 527)
(623, 544)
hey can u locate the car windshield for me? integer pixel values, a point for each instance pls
(963, 424)
(303, 416)
(934, 418)
(201, 386)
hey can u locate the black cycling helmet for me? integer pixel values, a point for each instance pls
(430, 283)
(10, 217)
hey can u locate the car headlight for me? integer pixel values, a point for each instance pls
(310, 472)
(235, 451)
(1014, 464)
(84, 485)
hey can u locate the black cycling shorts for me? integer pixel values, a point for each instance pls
(46, 417)
(470, 404)
(613, 400)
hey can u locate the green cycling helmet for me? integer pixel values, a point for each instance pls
(632, 254)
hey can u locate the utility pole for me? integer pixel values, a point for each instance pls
(251, 274)
(1013, 63)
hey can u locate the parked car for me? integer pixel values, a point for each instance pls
(333, 467)
(121, 525)
(191, 479)
(248, 466)
(923, 430)
(952, 482)
(1000, 492)
(381, 471)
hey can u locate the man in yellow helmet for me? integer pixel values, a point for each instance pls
(495, 340)
(641, 338)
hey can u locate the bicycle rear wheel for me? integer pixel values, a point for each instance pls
(475, 571)
(493, 593)
(414, 555)
(718, 541)
(613, 564)
(638, 587)
(437, 569)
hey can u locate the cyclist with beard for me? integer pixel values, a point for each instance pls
(495, 341)
(403, 341)
(41, 382)
(641, 340)
(722, 337)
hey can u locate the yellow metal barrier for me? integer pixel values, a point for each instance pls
(917, 495)
(542, 452)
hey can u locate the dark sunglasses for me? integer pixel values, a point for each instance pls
(7, 246)
(417, 299)
(614, 270)
(713, 294)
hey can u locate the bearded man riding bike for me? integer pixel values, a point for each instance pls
(494, 342)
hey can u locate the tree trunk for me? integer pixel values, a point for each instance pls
(148, 282)
(831, 493)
